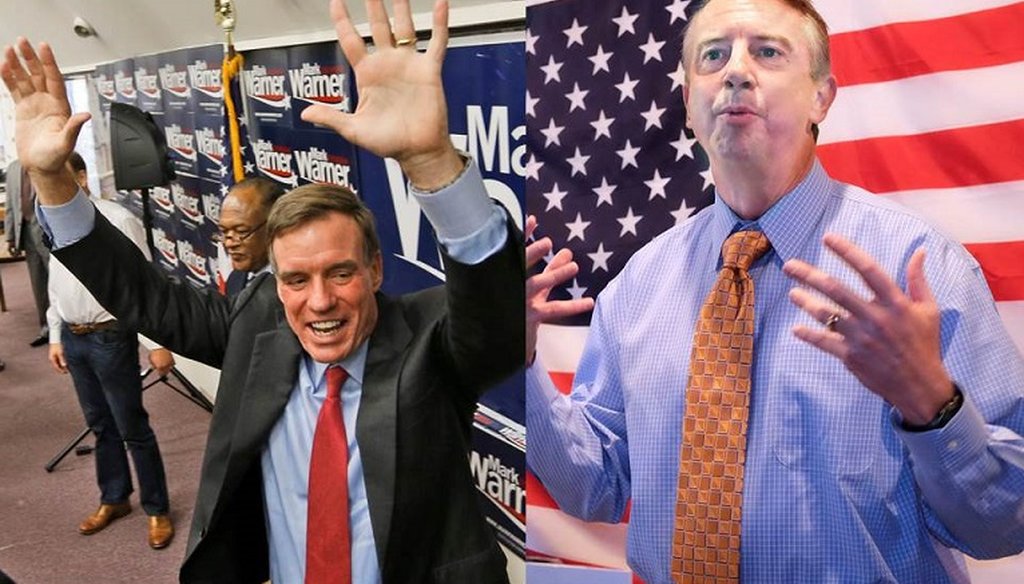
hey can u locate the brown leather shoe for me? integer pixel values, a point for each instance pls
(161, 531)
(103, 516)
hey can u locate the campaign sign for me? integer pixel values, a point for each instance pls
(185, 195)
(321, 157)
(194, 259)
(209, 146)
(165, 244)
(204, 78)
(485, 89)
(317, 74)
(131, 200)
(173, 73)
(147, 84)
(272, 150)
(161, 205)
(124, 81)
(264, 83)
(179, 130)
(497, 461)
(211, 195)
(103, 78)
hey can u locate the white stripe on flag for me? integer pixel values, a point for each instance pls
(554, 533)
(927, 103)
(996, 211)
(845, 16)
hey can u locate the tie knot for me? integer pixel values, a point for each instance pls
(336, 377)
(743, 248)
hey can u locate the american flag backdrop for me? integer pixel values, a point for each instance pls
(930, 112)
(238, 161)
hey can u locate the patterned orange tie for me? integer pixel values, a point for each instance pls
(706, 538)
(328, 544)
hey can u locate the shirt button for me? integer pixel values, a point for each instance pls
(952, 445)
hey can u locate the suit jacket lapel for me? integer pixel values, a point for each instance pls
(270, 380)
(376, 426)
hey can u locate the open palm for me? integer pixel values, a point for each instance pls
(402, 112)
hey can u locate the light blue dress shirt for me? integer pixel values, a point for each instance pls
(471, 229)
(835, 490)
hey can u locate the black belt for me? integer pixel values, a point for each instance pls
(91, 327)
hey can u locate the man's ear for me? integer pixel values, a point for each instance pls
(824, 95)
(377, 271)
(686, 104)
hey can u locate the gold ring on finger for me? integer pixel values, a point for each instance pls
(405, 42)
(832, 321)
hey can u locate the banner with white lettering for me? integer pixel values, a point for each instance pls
(485, 88)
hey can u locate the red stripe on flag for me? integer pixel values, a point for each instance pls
(536, 494)
(949, 158)
(896, 51)
(1003, 265)
(562, 380)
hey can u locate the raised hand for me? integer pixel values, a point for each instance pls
(891, 342)
(402, 112)
(45, 129)
(538, 308)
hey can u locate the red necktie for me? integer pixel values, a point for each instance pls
(706, 539)
(328, 543)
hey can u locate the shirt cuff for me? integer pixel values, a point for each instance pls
(68, 223)
(467, 223)
(950, 448)
(540, 390)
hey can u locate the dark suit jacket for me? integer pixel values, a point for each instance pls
(431, 355)
(235, 283)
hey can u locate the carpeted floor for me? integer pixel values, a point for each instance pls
(40, 511)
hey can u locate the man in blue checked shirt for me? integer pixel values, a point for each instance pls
(886, 409)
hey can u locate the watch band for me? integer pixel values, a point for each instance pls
(946, 413)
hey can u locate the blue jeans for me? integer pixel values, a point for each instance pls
(104, 366)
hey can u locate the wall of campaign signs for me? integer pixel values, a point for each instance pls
(485, 86)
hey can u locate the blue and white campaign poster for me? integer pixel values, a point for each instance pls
(173, 74)
(103, 79)
(264, 84)
(147, 84)
(485, 88)
(203, 65)
(318, 74)
(124, 82)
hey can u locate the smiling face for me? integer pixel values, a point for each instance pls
(750, 94)
(327, 285)
(242, 219)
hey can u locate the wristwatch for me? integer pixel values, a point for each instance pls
(946, 413)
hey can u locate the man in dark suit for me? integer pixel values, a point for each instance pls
(415, 364)
(25, 235)
(243, 232)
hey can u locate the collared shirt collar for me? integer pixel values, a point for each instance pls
(787, 223)
(354, 365)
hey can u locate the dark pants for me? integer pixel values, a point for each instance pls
(37, 260)
(104, 366)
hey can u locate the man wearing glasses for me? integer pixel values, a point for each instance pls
(243, 217)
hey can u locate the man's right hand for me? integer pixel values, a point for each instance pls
(57, 358)
(45, 130)
(538, 308)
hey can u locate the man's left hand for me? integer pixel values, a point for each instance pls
(161, 360)
(402, 112)
(891, 342)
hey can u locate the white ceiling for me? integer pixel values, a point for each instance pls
(127, 28)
